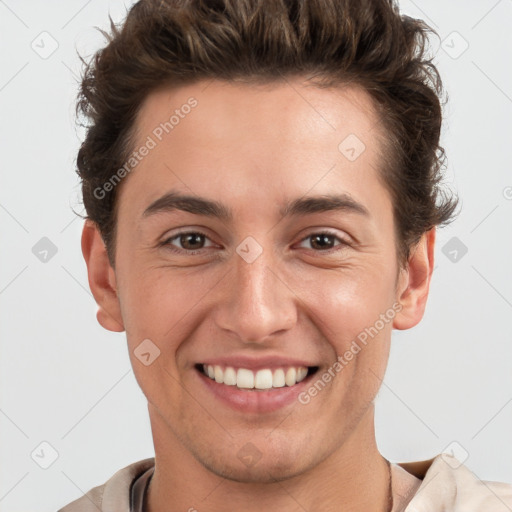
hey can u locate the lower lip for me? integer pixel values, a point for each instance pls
(255, 401)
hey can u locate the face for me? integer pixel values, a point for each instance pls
(256, 237)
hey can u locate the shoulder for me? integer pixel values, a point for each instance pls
(447, 484)
(114, 494)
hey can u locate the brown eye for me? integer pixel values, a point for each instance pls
(323, 241)
(189, 241)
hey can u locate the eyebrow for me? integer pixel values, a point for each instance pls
(298, 207)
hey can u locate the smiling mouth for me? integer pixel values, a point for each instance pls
(261, 380)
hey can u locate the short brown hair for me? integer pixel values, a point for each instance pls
(363, 42)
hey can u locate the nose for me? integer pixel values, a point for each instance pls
(256, 301)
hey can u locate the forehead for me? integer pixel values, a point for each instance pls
(246, 142)
(263, 109)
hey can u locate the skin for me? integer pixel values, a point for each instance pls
(253, 148)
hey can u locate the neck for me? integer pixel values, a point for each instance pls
(355, 477)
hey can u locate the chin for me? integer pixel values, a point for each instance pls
(263, 472)
(242, 461)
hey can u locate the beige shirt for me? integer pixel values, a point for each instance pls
(441, 484)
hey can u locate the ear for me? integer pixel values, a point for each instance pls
(102, 278)
(414, 282)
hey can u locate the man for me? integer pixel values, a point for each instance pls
(261, 184)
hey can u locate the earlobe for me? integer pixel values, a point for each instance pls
(414, 283)
(102, 278)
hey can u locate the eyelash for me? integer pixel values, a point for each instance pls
(167, 243)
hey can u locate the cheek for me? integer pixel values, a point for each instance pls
(155, 300)
(165, 304)
(343, 303)
(159, 308)
(350, 312)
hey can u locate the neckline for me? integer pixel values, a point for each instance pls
(403, 486)
(139, 490)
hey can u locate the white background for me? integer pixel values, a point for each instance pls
(66, 381)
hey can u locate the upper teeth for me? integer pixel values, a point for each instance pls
(262, 379)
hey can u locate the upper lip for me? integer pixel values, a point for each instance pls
(256, 363)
